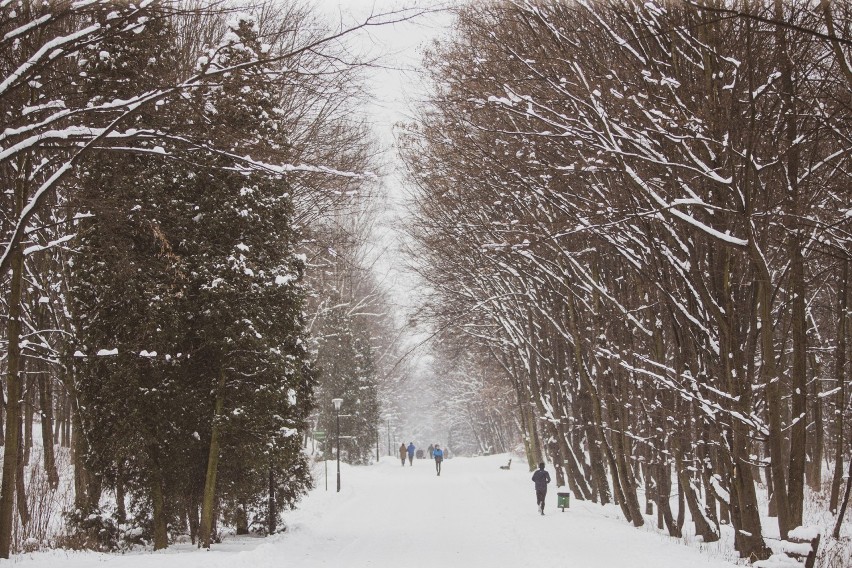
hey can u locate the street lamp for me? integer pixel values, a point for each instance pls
(337, 402)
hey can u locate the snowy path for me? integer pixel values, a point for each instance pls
(388, 516)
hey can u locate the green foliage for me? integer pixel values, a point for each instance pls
(187, 270)
(344, 355)
(90, 530)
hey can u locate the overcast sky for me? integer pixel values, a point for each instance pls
(393, 84)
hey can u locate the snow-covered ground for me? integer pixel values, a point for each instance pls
(473, 515)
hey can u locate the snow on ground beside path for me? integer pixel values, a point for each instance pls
(474, 515)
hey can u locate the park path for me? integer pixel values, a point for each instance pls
(474, 515)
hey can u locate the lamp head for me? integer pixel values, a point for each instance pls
(337, 402)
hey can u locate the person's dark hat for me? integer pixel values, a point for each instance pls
(541, 465)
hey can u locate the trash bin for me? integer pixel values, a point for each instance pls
(563, 500)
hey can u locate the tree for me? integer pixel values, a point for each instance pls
(603, 209)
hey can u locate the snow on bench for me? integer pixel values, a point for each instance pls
(800, 547)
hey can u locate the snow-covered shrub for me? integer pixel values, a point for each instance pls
(90, 530)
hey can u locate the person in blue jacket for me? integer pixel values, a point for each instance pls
(411, 453)
(438, 456)
(541, 478)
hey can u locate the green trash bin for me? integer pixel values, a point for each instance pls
(563, 500)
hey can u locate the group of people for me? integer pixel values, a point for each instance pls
(541, 478)
(435, 453)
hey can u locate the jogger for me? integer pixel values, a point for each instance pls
(438, 455)
(541, 479)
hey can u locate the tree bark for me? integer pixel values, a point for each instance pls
(598, 446)
(773, 410)
(242, 519)
(798, 428)
(664, 489)
(45, 394)
(120, 508)
(28, 414)
(78, 453)
(272, 521)
(13, 403)
(20, 487)
(192, 515)
(840, 382)
(158, 502)
(844, 504)
(208, 503)
(703, 528)
(817, 447)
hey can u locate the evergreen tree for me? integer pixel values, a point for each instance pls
(344, 356)
(206, 313)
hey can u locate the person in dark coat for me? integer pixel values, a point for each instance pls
(438, 456)
(541, 478)
(402, 453)
(431, 451)
(411, 453)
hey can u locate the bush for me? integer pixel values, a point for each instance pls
(90, 530)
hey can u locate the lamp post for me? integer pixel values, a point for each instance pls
(337, 402)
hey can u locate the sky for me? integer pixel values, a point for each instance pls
(393, 85)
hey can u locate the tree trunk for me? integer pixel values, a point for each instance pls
(68, 426)
(703, 527)
(20, 488)
(749, 534)
(2, 417)
(208, 504)
(47, 439)
(844, 504)
(59, 418)
(242, 519)
(664, 489)
(192, 516)
(13, 404)
(598, 447)
(272, 521)
(78, 451)
(817, 448)
(798, 431)
(790, 513)
(773, 410)
(120, 507)
(623, 478)
(28, 414)
(840, 384)
(158, 502)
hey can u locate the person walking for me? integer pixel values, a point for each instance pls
(431, 451)
(541, 478)
(402, 453)
(438, 456)
(411, 453)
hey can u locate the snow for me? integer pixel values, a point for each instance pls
(473, 515)
(803, 533)
(778, 561)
